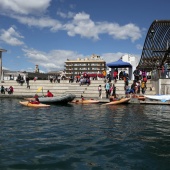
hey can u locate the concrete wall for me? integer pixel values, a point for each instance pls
(162, 86)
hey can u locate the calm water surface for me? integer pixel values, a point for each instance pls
(84, 137)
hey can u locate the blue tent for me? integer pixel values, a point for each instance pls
(119, 64)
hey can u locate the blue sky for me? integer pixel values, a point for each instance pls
(47, 32)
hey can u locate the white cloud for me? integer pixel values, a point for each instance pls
(128, 31)
(54, 60)
(11, 37)
(24, 7)
(44, 22)
(111, 57)
(5, 68)
(65, 15)
(82, 25)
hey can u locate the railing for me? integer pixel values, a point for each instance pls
(158, 74)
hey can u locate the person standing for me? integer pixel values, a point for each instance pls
(18, 79)
(113, 90)
(51, 78)
(115, 75)
(100, 91)
(27, 81)
(107, 88)
(136, 74)
(143, 87)
(104, 73)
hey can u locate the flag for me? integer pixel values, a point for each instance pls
(39, 89)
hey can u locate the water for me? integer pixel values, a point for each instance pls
(84, 137)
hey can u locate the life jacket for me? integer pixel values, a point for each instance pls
(35, 102)
(143, 85)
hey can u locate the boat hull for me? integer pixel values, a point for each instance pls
(63, 99)
(158, 97)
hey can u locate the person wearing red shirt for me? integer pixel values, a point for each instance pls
(115, 74)
(36, 101)
(49, 94)
(10, 90)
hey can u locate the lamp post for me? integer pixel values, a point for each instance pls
(1, 50)
(152, 32)
(152, 35)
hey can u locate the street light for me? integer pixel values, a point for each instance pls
(152, 31)
(151, 35)
(1, 50)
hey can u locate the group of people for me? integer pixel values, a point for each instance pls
(110, 90)
(138, 85)
(55, 78)
(20, 80)
(36, 97)
(84, 79)
(9, 90)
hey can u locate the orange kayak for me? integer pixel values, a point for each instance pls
(121, 101)
(26, 103)
(140, 97)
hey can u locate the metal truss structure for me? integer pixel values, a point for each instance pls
(156, 49)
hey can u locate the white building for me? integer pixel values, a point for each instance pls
(12, 75)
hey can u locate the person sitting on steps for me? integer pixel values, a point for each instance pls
(2, 89)
(10, 90)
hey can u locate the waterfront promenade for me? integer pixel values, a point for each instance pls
(64, 86)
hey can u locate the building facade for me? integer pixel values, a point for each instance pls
(93, 65)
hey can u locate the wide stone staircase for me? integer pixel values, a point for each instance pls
(64, 86)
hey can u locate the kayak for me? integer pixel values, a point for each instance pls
(121, 101)
(26, 103)
(158, 97)
(140, 97)
(90, 101)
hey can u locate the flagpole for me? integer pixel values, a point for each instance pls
(42, 91)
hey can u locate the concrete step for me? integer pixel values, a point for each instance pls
(65, 87)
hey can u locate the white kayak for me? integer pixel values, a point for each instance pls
(158, 97)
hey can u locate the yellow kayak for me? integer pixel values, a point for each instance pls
(90, 101)
(26, 103)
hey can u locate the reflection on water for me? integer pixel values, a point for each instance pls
(84, 136)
